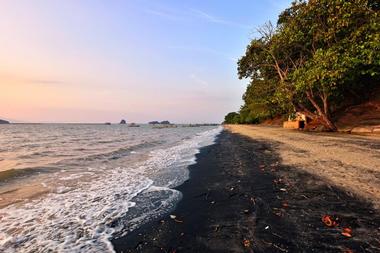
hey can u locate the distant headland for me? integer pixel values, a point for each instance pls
(4, 121)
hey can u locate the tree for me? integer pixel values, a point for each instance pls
(319, 52)
(232, 118)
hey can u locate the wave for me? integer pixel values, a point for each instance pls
(120, 152)
(7, 175)
(36, 154)
(12, 174)
(86, 218)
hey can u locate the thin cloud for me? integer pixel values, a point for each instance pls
(204, 50)
(207, 16)
(213, 19)
(198, 80)
(47, 82)
(18, 78)
(280, 5)
(164, 14)
(195, 13)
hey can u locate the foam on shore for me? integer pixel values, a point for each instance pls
(84, 218)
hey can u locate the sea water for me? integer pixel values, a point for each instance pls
(73, 188)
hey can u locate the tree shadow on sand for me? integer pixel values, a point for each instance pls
(240, 198)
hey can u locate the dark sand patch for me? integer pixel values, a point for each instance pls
(239, 192)
(349, 162)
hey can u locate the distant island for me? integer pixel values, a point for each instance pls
(134, 125)
(4, 121)
(165, 122)
(123, 122)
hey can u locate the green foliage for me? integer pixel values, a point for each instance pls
(232, 118)
(320, 53)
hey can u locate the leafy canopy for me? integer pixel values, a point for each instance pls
(319, 55)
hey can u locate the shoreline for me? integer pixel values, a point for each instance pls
(241, 198)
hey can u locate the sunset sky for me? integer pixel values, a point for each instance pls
(142, 60)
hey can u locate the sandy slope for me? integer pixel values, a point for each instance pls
(347, 161)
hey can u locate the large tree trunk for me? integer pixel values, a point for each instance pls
(324, 114)
(328, 123)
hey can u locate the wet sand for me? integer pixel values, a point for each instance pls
(243, 196)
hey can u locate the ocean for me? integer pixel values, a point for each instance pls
(74, 187)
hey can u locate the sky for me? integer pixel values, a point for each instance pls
(139, 60)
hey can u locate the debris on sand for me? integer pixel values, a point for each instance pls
(347, 232)
(246, 243)
(174, 217)
(329, 221)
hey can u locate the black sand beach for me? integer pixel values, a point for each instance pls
(240, 198)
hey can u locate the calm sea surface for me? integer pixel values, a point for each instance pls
(72, 188)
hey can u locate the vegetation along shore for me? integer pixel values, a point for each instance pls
(320, 59)
(268, 189)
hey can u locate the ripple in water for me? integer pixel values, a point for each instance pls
(84, 218)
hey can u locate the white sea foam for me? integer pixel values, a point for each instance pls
(84, 218)
(76, 176)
